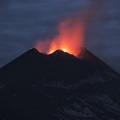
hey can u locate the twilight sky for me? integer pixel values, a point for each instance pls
(23, 22)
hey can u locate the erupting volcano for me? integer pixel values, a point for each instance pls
(49, 82)
(70, 38)
(71, 32)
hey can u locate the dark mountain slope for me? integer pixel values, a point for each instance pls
(59, 86)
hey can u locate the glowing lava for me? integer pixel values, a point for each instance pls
(71, 32)
(70, 38)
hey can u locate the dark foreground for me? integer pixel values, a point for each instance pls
(59, 86)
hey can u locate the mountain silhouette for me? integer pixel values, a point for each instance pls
(59, 86)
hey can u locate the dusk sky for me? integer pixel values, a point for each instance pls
(24, 22)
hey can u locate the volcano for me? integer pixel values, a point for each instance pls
(59, 86)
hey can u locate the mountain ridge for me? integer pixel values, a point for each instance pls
(82, 55)
(58, 86)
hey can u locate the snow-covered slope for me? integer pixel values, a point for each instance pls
(59, 86)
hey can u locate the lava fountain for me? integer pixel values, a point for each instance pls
(71, 32)
(70, 38)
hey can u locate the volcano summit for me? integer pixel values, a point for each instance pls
(59, 86)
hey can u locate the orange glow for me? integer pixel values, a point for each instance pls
(65, 50)
(71, 32)
(70, 38)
